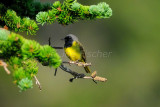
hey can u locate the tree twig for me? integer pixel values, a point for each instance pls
(76, 75)
(55, 71)
(49, 40)
(37, 83)
(2, 63)
(78, 63)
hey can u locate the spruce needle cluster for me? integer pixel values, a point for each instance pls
(26, 15)
(23, 55)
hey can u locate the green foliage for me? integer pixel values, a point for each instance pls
(70, 11)
(44, 17)
(48, 55)
(15, 22)
(21, 54)
(25, 83)
(94, 10)
(75, 6)
(56, 4)
(30, 66)
(16, 14)
(3, 35)
(19, 74)
(103, 10)
(30, 49)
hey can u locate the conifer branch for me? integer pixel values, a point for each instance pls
(22, 55)
(71, 11)
(12, 13)
(16, 23)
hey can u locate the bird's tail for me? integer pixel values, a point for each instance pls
(87, 69)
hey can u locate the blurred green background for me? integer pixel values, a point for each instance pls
(132, 69)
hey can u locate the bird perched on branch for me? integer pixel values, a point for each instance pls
(74, 50)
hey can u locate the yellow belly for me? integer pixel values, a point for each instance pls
(73, 54)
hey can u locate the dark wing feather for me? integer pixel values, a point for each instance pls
(82, 52)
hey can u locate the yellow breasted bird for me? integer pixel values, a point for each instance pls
(74, 50)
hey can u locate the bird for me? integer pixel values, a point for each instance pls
(74, 50)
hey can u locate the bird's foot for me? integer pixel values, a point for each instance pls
(79, 63)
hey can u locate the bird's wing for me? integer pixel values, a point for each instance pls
(82, 51)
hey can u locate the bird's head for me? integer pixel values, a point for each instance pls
(70, 38)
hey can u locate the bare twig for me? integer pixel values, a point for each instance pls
(57, 47)
(78, 63)
(2, 63)
(37, 82)
(76, 75)
(49, 40)
(55, 71)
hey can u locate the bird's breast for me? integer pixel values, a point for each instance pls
(73, 53)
